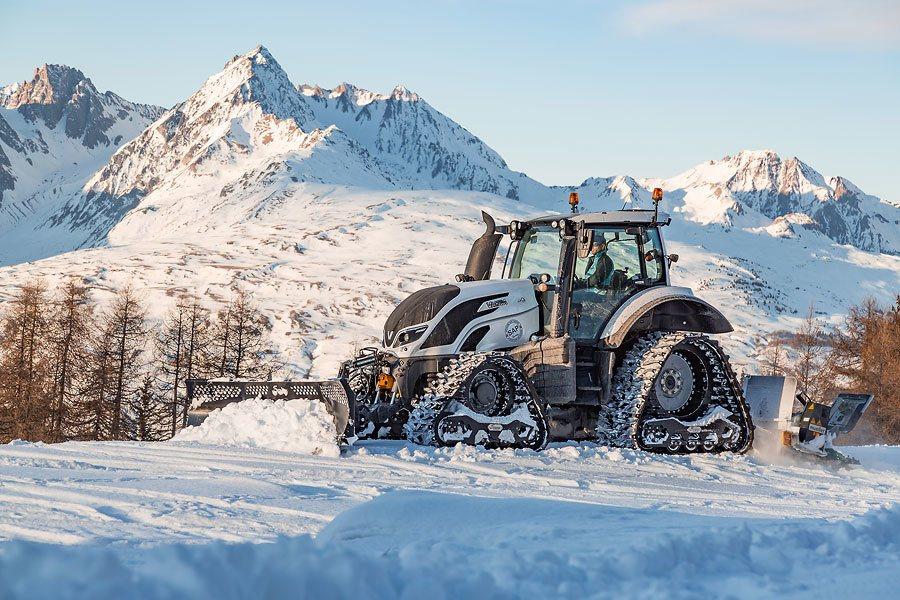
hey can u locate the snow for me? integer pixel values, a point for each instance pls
(391, 520)
(736, 559)
(290, 426)
(320, 203)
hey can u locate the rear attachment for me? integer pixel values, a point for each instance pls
(819, 423)
(813, 426)
(480, 399)
(206, 396)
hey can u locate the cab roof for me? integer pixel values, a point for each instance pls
(612, 217)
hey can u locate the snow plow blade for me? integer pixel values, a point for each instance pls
(207, 395)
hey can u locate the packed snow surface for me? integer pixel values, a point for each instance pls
(290, 426)
(390, 519)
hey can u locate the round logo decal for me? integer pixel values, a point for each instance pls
(514, 331)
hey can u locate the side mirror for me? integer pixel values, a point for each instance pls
(673, 258)
(585, 241)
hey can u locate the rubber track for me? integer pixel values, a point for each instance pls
(633, 384)
(420, 427)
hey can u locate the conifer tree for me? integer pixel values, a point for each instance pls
(25, 379)
(69, 341)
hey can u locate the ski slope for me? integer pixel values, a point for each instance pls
(388, 519)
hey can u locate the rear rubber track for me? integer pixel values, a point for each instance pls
(633, 383)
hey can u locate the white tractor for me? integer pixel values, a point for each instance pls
(581, 337)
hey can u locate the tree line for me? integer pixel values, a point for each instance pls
(70, 370)
(862, 354)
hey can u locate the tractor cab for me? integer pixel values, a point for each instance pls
(585, 266)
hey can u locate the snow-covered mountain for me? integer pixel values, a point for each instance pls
(249, 131)
(331, 205)
(248, 128)
(56, 130)
(417, 145)
(792, 193)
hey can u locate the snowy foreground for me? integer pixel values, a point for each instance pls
(387, 519)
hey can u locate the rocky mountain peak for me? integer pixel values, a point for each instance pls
(843, 187)
(51, 84)
(401, 93)
(58, 95)
(7, 91)
(777, 187)
(251, 78)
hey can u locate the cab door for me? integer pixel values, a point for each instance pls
(603, 279)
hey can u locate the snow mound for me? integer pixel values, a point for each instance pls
(288, 426)
(855, 558)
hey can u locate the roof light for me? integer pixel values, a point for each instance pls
(573, 201)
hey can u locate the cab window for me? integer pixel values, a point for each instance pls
(653, 254)
(609, 274)
(537, 253)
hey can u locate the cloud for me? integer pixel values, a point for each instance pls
(848, 23)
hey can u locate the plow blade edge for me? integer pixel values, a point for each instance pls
(208, 395)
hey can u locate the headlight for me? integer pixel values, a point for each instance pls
(410, 335)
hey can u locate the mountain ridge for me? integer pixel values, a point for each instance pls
(56, 130)
(248, 129)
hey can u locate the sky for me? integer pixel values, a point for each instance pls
(563, 90)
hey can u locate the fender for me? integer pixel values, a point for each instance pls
(663, 308)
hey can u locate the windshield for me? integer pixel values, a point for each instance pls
(537, 253)
(617, 264)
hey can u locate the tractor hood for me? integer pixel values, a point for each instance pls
(436, 318)
(420, 307)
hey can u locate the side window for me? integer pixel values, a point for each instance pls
(654, 253)
(623, 251)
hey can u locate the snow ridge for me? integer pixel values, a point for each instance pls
(754, 561)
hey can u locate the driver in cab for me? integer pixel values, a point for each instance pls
(599, 270)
